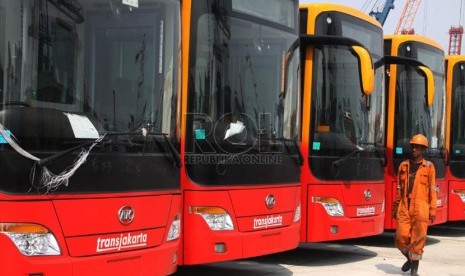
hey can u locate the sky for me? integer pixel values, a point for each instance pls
(434, 17)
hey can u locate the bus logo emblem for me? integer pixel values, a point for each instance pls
(126, 215)
(367, 194)
(270, 201)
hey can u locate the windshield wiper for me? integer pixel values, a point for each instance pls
(174, 153)
(300, 158)
(14, 103)
(344, 158)
(54, 157)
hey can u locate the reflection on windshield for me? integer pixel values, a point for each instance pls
(458, 120)
(87, 67)
(412, 113)
(237, 84)
(72, 71)
(343, 118)
(457, 128)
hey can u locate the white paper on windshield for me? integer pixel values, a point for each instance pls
(234, 128)
(434, 142)
(82, 126)
(132, 3)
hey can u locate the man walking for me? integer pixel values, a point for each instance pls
(415, 203)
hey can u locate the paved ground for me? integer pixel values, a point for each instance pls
(444, 255)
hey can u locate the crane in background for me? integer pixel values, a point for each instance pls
(455, 40)
(455, 36)
(404, 26)
(382, 15)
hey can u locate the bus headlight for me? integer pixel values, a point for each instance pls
(332, 206)
(216, 218)
(461, 194)
(297, 213)
(175, 229)
(31, 239)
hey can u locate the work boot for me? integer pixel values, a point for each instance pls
(414, 270)
(407, 265)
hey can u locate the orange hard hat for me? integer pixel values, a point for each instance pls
(419, 139)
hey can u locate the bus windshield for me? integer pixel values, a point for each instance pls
(343, 117)
(72, 71)
(243, 90)
(412, 112)
(457, 128)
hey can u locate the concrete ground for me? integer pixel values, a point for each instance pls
(444, 255)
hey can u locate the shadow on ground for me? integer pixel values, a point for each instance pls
(450, 229)
(235, 268)
(319, 254)
(385, 240)
(389, 269)
(314, 254)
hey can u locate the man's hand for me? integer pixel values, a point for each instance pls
(394, 213)
(432, 218)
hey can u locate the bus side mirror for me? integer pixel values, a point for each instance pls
(366, 69)
(429, 84)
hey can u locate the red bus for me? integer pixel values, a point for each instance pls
(240, 101)
(413, 108)
(455, 136)
(342, 125)
(88, 116)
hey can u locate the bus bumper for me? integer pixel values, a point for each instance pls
(345, 228)
(456, 210)
(161, 260)
(238, 245)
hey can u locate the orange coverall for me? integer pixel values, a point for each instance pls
(412, 221)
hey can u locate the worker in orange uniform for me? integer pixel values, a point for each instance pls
(415, 203)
